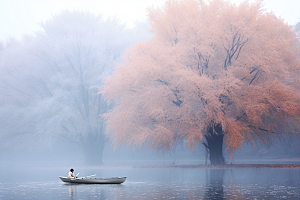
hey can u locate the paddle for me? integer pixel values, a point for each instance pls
(90, 175)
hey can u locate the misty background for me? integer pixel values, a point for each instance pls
(51, 69)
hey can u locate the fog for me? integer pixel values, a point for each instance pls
(52, 111)
(56, 112)
(50, 86)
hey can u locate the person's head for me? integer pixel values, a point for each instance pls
(71, 170)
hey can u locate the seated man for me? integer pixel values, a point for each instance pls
(71, 174)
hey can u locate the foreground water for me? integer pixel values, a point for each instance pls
(154, 183)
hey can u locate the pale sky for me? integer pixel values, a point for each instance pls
(19, 17)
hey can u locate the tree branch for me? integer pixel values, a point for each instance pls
(238, 118)
(205, 145)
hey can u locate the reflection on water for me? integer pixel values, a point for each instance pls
(214, 186)
(90, 191)
(71, 190)
(158, 184)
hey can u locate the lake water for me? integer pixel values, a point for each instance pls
(154, 183)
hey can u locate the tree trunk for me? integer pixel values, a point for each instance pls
(93, 153)
(215, 145)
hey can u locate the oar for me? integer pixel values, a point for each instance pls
(90, 175)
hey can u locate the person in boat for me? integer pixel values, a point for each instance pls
(71, 174)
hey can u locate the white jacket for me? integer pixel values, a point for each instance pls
(71, 175)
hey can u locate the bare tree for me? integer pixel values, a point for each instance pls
(58, 74)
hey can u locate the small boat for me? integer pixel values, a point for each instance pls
(90, 180)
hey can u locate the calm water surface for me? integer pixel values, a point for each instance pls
(149, 183)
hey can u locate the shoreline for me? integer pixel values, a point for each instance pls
(199, 166)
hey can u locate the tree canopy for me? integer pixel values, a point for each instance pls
(211, 68)
(50, 82)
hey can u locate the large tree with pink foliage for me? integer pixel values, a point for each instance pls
(214, 72)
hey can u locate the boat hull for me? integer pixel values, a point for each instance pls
(112, 180)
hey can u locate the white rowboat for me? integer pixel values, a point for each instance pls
(112, 180)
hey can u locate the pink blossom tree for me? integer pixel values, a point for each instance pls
(214, 72)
